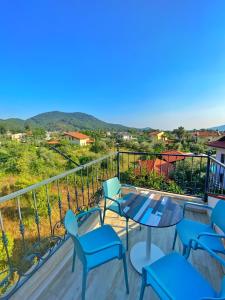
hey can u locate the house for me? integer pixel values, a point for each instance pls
(47, 136)
(125, 136)
(219, 145)
(18, 136)
(158, 166)
(78, 138)
(172, 156)
(205, 135)
(157, 136)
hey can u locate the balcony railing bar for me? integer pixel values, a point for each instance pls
(52, 179)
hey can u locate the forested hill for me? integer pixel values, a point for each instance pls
(57, 120)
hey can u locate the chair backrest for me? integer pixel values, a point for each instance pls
(71, 225)
(218, 215)
(111, 187)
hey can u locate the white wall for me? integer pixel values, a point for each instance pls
(82, 142)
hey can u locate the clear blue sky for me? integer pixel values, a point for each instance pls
(140, 63)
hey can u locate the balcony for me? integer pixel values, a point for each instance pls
(38, 251)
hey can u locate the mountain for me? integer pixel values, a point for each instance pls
(57, 120)
(12, 124)
(219, 128)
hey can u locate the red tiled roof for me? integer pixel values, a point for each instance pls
(206, 133)
(154, 133)
(159, 166)
(53, 142)
(172, 158)
(77, 135)
(218, 144)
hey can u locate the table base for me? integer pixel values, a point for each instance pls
(138, 256)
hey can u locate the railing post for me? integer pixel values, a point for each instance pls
(118, 161)
(207, 177)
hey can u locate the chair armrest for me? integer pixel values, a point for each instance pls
(197, 205)
(128, 186)
(221, 236)
(90, 211)
(194, 243)
(114, 200)
(110, 245)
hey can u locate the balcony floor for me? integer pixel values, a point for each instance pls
(107, 282)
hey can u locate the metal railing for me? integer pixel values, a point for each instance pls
(177, 173)
(216, 177)
(31, 219)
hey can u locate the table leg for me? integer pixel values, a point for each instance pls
(148, 243)
(144, 253)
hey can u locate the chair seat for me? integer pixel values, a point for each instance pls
(97, 238)
(114, 207)
(177, 276)
(188, 229)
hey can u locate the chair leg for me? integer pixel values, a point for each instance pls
(103, 219)
(125, 273)
(140, 227)
(127, 229)
(84, 281)
(74, 259)
(174, 240)
(142, 290)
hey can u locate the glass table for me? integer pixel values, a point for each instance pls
(151, 210)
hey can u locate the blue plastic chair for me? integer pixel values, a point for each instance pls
(95, 247)
(112, 193)
(173, 277)
(188, 229)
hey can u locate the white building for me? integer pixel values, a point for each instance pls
(219, 145)
(78, 138)
(125, 136)
(18, 136)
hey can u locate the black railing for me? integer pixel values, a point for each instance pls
(216, 177)
(189, 174)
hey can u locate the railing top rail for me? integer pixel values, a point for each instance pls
(217, 162)
(52, 179)
(163, 154)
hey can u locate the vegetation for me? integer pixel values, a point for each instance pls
(151, 180)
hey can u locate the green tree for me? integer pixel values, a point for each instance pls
(180, 133)
(98, 146)
(2, 129)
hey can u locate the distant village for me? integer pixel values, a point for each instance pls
(141, 140)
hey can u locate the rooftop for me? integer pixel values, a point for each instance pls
(170, 158)
(218, 144)
(206, 133)
(77, 135)
(157, 165)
